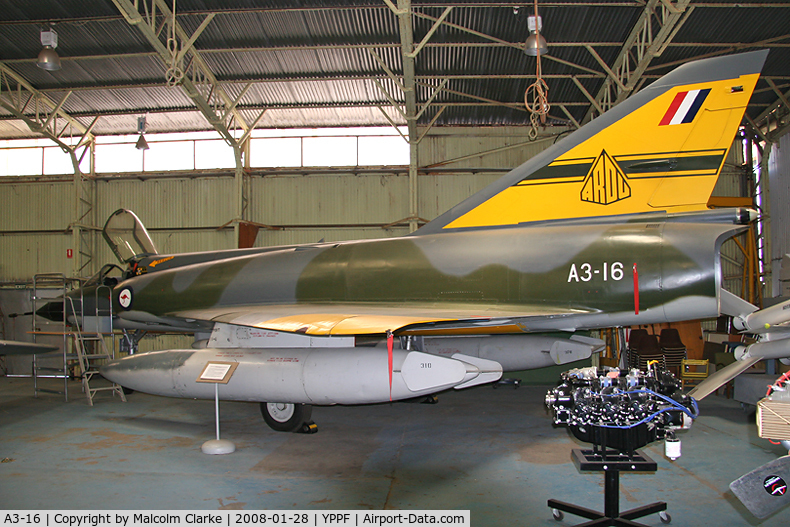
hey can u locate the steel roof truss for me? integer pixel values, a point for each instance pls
(386, 69)
(394, 125)
(43, 121)
(390, 98)
(518, 45)
(649, 37)
(430, 100)
(430, 33)
(195, 78)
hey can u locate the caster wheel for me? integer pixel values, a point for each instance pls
(557, 514)
(664, 517)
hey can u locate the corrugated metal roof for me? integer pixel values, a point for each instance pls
(311, 58)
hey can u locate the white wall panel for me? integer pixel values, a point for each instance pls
(35, 206)
(169, 241)
(437, 193)
(330, 199)
(169, 203)
(267, 238)
(481, 147)
(22, 256)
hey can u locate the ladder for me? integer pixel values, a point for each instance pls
(59, 283)
(90, 346)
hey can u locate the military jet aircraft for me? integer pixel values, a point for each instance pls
(608, 227)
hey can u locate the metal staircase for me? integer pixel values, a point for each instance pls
(90, 345)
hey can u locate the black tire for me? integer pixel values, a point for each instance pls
(286, 417)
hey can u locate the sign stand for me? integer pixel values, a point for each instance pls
(217, 373)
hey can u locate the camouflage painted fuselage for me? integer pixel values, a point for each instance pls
(588, 275)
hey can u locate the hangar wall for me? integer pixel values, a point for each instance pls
(191, 211)
(187, 211)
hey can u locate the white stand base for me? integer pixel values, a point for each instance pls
(218, 446)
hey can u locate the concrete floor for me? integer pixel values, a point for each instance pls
(492, 451)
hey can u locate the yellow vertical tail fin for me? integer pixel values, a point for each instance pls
(660, 150)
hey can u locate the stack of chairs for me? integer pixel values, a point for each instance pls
(673, 349)
(643, 348)
(668, 349)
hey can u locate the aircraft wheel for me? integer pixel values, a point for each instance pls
(286, 417)
(664, 517)
(557, 514)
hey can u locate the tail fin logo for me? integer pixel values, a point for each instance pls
(684, 107)
(605, 182)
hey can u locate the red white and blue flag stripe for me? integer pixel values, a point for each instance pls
(684, 107)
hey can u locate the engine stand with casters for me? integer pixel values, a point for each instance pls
(611, 462)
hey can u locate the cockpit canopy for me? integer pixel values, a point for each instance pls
(127, 237)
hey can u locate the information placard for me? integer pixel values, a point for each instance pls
(217, 372)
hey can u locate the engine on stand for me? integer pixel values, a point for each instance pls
(619, 412)
(622, 410)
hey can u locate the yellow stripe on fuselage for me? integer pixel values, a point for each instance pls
(633, 137)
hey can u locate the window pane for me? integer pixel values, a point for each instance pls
(58, 162)
(169, 156)
(118, 158)
(22, 162)
(330, 151)
(213, 154)
(383, 151)
(280, 152)
(23, 143)
(114, 139)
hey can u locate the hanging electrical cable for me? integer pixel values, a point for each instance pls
(174, 74)
(536, 97)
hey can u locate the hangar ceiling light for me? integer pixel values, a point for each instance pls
(48, 59)
(535, 44)
(141, 144)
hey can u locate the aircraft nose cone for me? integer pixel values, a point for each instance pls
(52, 311)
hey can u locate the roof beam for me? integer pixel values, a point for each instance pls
(727, 47)
(196, 79)
(16, 94)
(762, 122)
(345, 78)
(404, 13)
(657, 25)
(478, 5)
(517, 45)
